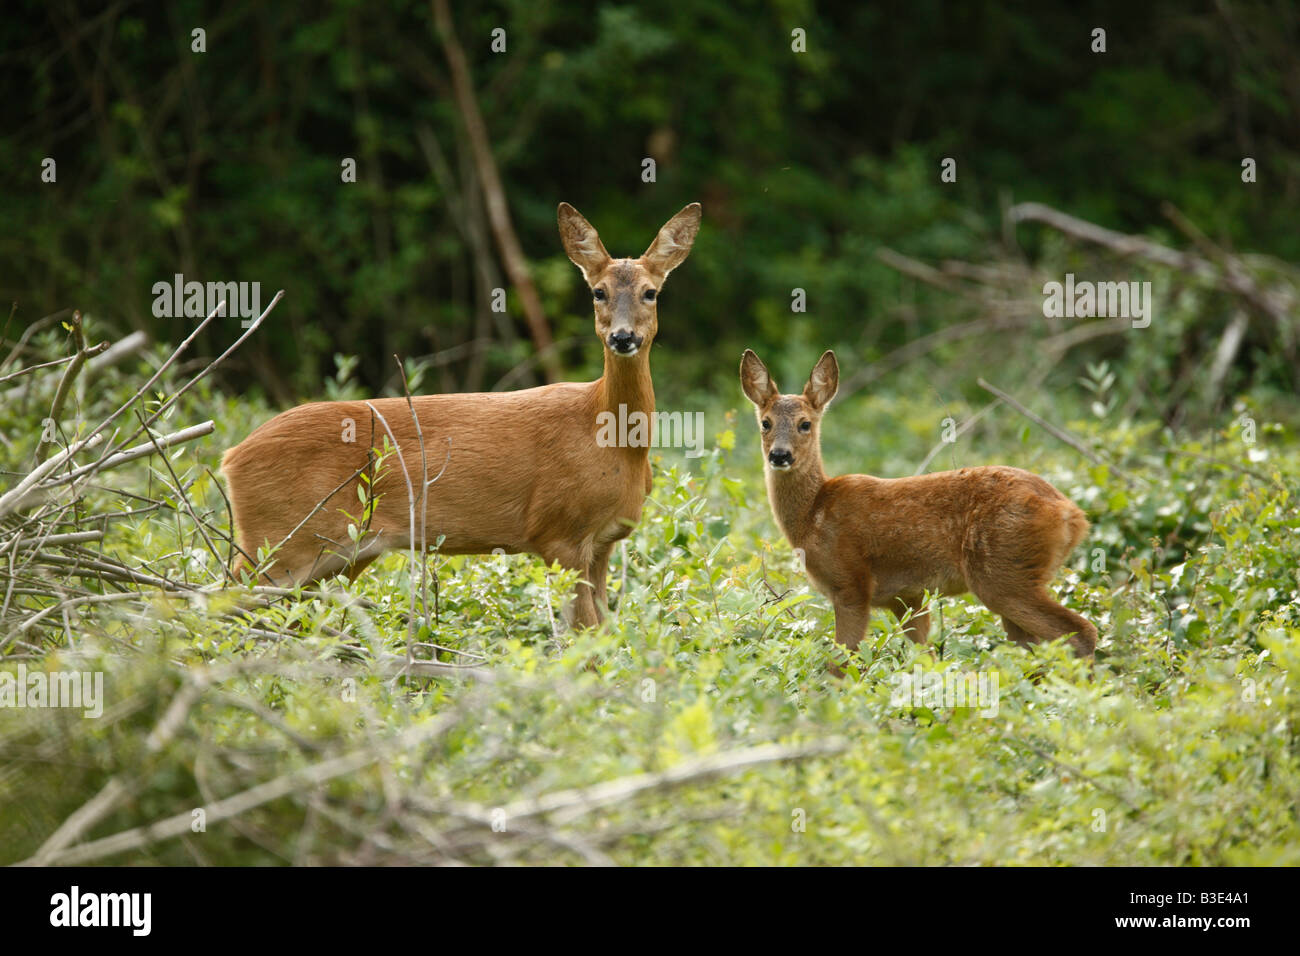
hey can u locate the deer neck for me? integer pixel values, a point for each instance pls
(626, 383)
(793, 494)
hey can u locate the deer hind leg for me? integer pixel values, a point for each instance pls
(917, 627)
(1037, 616)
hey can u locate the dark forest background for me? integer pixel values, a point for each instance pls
(225, 165)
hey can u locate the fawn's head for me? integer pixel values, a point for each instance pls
(626, 291)
(790, 424)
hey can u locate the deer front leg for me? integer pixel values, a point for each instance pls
(597, 575)
(852, 613)
(581, 611)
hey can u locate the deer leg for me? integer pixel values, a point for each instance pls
(597, 574)
(581, 611)
(917, 627)
(1018, 633)
(852, 612)
(1040, 617)
(356, 567)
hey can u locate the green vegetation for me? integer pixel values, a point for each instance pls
(1179, 747)
(699, 724)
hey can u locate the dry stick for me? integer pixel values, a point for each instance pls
(15, 498)
(424, 514)
(100, 359)
(116, 571)
(185, 500)
(70, 537)
(36, 326)
(155, 445)
(568, 805)
(512, 255)
(158, 374)
(234, 546)
(122, 348)
(245, 800)
(1226, 353)
(253, 327)
(961, 430)
(410, 498)
(36, 368)
(1229, 280)
(918, 347)
(464, 217)
(1061, 343)
(1057, 432)
(69, 376)
(919, 270)
(534, 359)
(114, 791)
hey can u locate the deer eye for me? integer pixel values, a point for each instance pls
(805, 426)
(599, 294)
(648, 295)
(767, 424)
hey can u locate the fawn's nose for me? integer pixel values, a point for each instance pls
(780, 458)
(624, 342)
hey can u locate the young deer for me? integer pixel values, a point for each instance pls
(882, 542)
(515, 471)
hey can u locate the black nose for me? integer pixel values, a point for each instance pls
(624, 342)
(780, 458)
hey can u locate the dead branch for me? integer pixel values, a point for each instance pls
(512, 255)
(1057, 432)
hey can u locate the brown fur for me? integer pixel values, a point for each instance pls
(997, 531)
(520, 471)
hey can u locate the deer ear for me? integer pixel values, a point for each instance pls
(581, 242)
(758, 385)
(674, 241)
(824, 381)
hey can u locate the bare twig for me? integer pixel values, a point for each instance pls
(1057, 432)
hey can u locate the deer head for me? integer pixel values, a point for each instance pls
(626, 291)
(790, 424)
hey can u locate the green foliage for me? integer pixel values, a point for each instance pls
(1179, 746)
(225, 165)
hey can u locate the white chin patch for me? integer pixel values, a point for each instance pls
(778, 467)
(635, 349)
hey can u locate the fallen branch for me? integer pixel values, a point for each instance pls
(1057, 432)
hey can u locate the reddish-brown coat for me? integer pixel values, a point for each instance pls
(999, 532)
(520, 471)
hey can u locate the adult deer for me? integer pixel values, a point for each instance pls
(883, 542)
(505, 472)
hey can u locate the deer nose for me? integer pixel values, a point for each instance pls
(780, 458)
(624, 342)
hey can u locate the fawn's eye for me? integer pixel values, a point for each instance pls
(805, 426)
(599, 294)
(767, 424)
(648, 295)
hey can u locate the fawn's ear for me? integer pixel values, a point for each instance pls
(758, 385)
(581, 243)
(824, 381)
(674, 241)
